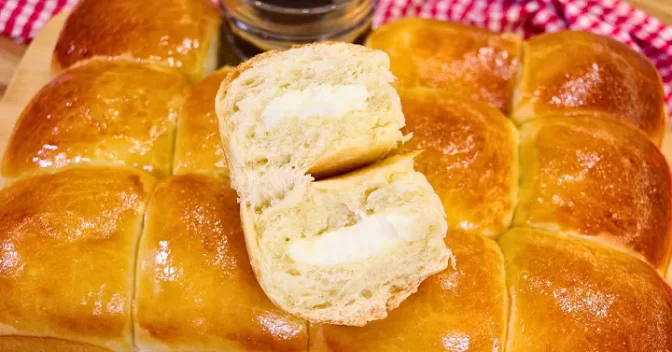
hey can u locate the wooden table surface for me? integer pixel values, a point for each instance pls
(11, 53)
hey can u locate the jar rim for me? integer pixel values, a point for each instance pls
(317, 10)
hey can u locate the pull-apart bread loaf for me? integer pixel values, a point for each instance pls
(558, 216)
(345, 249)
(181, 34)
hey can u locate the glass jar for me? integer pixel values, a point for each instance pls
(252, 27)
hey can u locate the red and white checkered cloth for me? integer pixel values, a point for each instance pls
(21, 19)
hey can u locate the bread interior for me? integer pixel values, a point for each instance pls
(351, 246)
(318, 111)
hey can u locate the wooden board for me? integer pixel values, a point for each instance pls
(10, 56)
(34, 71)
(661, 9)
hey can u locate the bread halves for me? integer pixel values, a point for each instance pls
(344, 249)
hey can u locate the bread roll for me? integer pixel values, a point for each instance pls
(477, 63)
(343, 250)
(67, 255)
(195, 290)
(469, 153)
(102, 113)
(182, 34)
(350, 248)
(569, 294)
(598, 178)
(198, 147)
(317, 109)
(463, 308)
(579, 73)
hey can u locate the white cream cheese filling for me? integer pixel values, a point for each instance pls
(373, 235)
(320, 101)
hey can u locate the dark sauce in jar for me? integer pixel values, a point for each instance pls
(292, 4)
(252, 27)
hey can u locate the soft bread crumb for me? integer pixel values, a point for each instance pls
(342, 250)
(360, 275)
(320, 109)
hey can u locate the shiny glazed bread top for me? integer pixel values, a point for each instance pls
(67, 256)
(429, 53)
(101, 113)
(579, 73)
(465, 145)
(198, 148)
(568, 294)
(597, 178)
(565, 73)
(181, 34)
(580, 270)
(194, 283)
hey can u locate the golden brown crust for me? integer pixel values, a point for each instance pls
(569, 294)
(68, 248)
(598, 178)
(174, 33)
(430, 53)
(579, 73)
(195, 286)
(198, 146)
(461, 307)
(102, 113)
(469, 156)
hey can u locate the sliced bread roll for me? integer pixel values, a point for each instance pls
(352, 247)
(346, 249)
(318, 110)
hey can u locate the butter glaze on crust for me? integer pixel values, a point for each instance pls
(598, 178)
(460, 307)
(101, 113)
(430, 53)
(198, 146)
(569, 294)
(68, 244)
(469, 156)
(174, 33)
(578, 73)
(195, 286)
